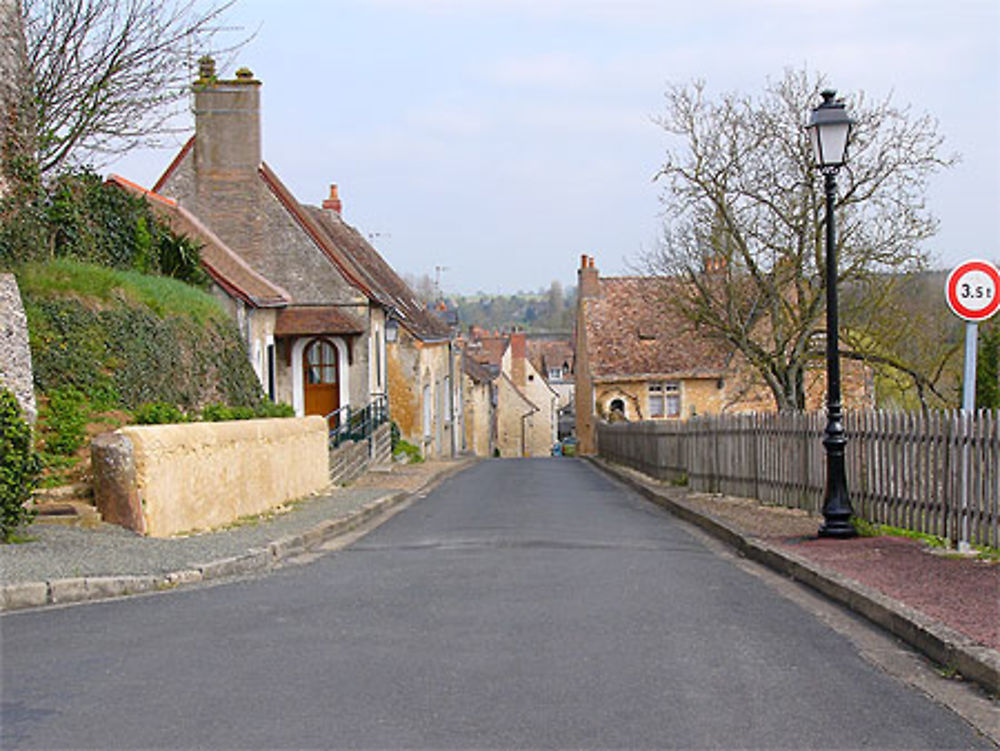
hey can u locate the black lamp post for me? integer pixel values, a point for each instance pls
(829, 128)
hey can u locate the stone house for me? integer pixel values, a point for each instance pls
(638, 359)
(479, 396)
(526, 406)
(552, 357)
(422, 361)
(329, 325)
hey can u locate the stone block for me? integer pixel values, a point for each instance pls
(24, 595)
(68, 590)
(116, 488)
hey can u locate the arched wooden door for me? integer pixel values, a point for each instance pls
(321, 375)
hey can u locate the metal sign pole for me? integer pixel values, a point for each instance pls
(973, 294)
(968, 408)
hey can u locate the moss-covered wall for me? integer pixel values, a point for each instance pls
(129, 355)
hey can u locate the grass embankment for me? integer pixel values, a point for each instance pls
(112, 346)
(105, 287)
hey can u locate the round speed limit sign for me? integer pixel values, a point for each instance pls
(973, 290)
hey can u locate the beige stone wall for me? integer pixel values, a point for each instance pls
(542, 426)
(512, 414)
(417, 374)
(205, 475)
(478, 414)
(403, 380)
(699, 396)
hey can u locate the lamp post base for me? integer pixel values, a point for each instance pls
(841, 529)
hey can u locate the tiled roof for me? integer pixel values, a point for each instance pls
(476, 371)
(630, 332)
(306, 220)
(315, 319)
(546, 354)
(227, 268)
(356, 260)
(488, 349)
(378, 275)
(174, 164)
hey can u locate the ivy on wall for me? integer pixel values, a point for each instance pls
(127, 356)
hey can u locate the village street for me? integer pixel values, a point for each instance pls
(523, 603)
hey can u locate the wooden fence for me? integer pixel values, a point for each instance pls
(906, 470)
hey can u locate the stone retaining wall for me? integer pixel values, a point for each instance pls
(161, 480)
(15, 354)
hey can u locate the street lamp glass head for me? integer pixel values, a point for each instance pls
(829, 128)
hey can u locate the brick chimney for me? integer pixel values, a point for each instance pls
(227, 158)
(518, 356)
(333, 203)
(227, 124)
(588, 279)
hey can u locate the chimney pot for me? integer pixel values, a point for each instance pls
(333, 203)
(206, 69)
(587, 279)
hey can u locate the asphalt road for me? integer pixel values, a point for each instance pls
(524, 603)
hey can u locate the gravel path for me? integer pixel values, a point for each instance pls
(62, 552)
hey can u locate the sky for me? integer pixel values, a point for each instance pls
(499, 140)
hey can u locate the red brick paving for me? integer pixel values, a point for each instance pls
(962, 593)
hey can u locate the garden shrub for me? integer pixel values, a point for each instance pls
(80, 216)
(19, 467)
(159, 413)
(407, 451)
(267, 408)
(264, 408)
(65, 421)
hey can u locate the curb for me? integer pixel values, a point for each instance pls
(937, 641)
(25, 595)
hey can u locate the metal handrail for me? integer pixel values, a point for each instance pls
(348, 424)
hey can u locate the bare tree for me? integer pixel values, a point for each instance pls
(744, 216)
(900, 325)
(109, 75)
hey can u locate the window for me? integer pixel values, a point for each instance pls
(555, 374)
(271, 386)
(618, 405)
(665, 399)
(447, 399)
(321, 362)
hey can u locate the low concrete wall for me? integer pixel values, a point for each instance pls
(161, 480)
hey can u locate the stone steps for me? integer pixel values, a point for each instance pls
(67, 505)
